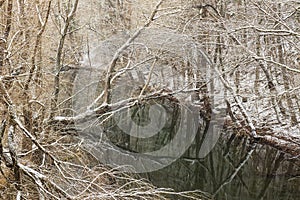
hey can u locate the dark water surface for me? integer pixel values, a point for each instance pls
(235, 169)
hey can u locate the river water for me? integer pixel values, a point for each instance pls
(236, 168)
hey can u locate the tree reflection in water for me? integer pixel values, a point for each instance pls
(236, 168)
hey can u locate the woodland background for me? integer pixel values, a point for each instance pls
(253, 44)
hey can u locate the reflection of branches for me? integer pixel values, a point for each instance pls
(243, 143)
(269, 180)
(237, 169)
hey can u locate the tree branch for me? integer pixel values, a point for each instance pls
(113, 62)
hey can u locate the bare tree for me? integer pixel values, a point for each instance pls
(164, 51)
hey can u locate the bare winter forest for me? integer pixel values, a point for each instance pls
(238, 61)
